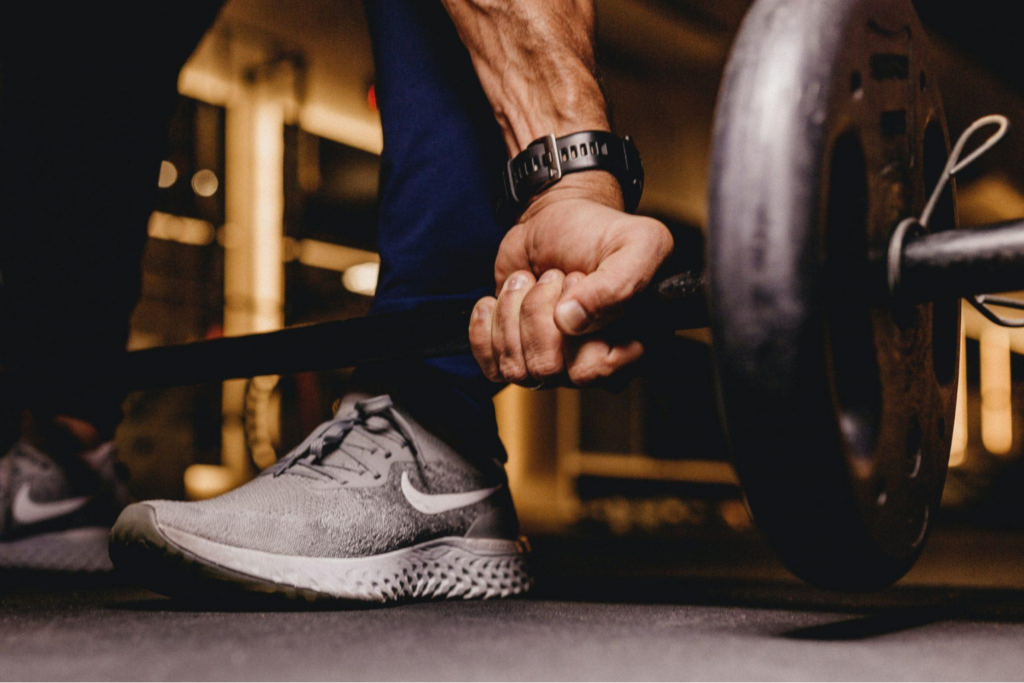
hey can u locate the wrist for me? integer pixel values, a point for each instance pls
(596, 186)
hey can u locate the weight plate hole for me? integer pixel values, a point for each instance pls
(857, 84)
(887, 66)
(894, 123)
(856, 376)
(914, 456)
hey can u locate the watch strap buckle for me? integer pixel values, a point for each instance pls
(554, 159)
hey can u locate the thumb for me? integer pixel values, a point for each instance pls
(590, 302)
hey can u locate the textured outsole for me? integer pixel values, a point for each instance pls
(176, 563)
(73, 550)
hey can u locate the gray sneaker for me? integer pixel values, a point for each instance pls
(57, 515)
(370, 507)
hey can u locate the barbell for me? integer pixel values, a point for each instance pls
(831, 284)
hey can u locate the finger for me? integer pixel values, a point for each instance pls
(600, 296)
(594, 360)
(505, 336)
(511, 256)
(541, 340)
(571, 281)
(480, 337)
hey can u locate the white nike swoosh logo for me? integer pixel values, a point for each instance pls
(27, 511)
(441, 502)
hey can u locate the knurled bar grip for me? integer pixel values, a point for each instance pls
(676, 303)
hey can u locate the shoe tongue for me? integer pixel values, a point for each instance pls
(370, 410)
(347, 404)
(373, 406)
(357, 448)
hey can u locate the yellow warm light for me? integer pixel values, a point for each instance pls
(361, 132)
(958, 450)
(253, 242)
(205, 183)
(203, 85)
(254, 209)
(990, 199)
(168, 175)
(166, 226)
(996, 413)
(208, 481)
(360, 129)
(329, 256)
(362, 278)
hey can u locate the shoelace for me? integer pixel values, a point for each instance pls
(370, 417)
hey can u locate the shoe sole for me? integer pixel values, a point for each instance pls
(74, 550)
(177, 563)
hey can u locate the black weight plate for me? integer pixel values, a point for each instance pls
(829, 131)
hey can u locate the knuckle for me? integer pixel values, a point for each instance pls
(533, 301)
(513, 371)
(492, 375)
(486, 363)
(545, 367)
(541, 344)
(581, 374)
(604, 371)
(622, 356)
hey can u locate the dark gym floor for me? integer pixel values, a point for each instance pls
(694, 609)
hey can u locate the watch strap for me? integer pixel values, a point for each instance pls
(546, 160)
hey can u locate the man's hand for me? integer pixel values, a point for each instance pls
(563, 273)
(535, 60)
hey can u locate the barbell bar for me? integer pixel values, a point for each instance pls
(959, 263)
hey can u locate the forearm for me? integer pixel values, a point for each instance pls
(535, 61)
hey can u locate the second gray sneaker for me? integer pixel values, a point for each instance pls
(371, 507)
(56, 513)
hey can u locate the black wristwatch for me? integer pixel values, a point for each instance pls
(548, 159)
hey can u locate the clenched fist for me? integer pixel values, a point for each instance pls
(563, 273)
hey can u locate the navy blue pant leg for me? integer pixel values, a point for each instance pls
(442, 149)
